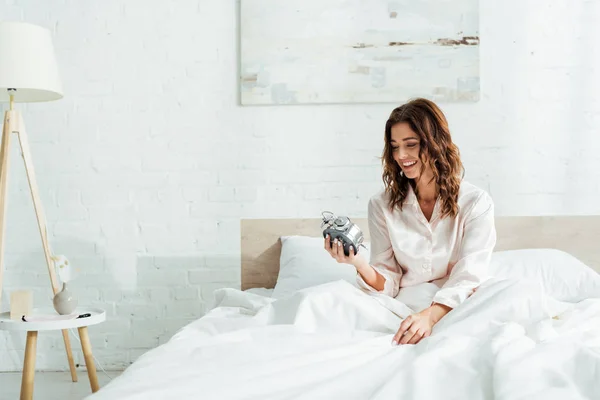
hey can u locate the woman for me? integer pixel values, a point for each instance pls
(427, 225)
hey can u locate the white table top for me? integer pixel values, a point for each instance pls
(97, 315)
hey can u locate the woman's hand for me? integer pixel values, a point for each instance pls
(363, 268)
(418, 326)
(337, 251)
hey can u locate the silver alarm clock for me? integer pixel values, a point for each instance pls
(344, 230)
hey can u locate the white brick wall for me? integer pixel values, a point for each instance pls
(148, 163)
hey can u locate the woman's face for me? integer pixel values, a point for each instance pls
(405, 149)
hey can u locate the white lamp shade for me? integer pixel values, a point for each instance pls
(27, 63)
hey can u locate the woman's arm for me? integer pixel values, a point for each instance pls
(369, 274)
(478, 242)
(381, 273)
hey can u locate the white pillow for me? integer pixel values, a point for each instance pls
(304, 263)
(563, 276)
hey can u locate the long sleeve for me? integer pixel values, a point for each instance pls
(479, 239)
(382, 258)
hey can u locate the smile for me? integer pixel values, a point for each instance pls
(408, 163)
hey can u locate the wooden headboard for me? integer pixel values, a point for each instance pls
(577, 235)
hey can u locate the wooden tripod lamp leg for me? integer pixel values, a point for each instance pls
(4, 150)
(19, 127)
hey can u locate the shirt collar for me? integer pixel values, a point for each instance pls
(411, 197)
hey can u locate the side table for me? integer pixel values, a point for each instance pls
(32, 328)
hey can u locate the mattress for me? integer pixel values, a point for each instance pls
(510, 340)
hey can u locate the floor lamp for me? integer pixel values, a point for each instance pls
(28, 73)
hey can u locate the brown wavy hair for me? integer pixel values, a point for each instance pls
(436, 150)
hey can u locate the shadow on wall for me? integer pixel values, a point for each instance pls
(192, 278)
(171, 293)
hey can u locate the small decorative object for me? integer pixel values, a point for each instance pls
(21, 303)
(64, 301)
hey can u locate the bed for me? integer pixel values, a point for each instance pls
(300, 329)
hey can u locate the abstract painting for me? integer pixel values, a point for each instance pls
(358, 51)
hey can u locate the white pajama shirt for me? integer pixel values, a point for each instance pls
(453, 253)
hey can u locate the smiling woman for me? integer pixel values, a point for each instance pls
(428, 226)
(419, 152)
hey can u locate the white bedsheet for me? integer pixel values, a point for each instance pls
(334, 342)
(260, 291)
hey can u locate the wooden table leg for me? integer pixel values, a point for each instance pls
(65, 334)
(89, 359)
(29, 366)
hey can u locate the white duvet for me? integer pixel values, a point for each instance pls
(333, 341)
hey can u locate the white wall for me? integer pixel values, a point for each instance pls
(148, 163)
